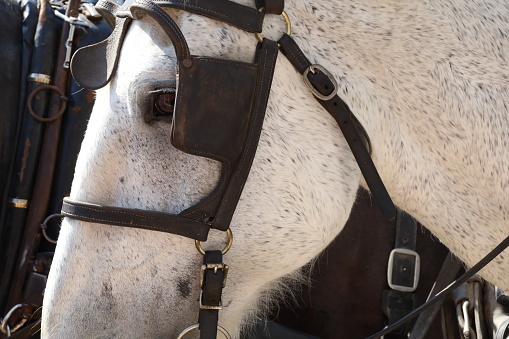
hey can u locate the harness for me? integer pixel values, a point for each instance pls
(237, 112)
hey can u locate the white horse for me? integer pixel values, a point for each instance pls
(428, 80)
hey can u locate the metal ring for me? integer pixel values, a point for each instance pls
(62, 98)
(4, 327)
(287, 22)
(44, 226)
(225, 249)
(195, 326)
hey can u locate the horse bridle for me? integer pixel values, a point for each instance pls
(237, 114)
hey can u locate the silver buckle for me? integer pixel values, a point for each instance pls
(313, 89)
(417, 267)
(209, 307)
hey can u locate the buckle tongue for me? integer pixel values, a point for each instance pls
(403, 270)
(313, 68)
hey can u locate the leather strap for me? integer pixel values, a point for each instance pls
(440, 296)
(108, 51)
(107, 9)
(150, 220)
(343, 116)
(212, 288)
(266, 58)
(28, 331)
(271, 6)
(85, 68)
(448, 272)
(398, 301)
(243, 17)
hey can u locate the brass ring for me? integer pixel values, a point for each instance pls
(62, 98)
(287, 22)
(225, 249)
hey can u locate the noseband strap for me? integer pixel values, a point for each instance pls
(144, 219)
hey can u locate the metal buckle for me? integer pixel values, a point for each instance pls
(313, 89)
(417, 267)
(214, 267)
(210, 307)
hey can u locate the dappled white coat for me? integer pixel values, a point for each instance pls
(427, 79)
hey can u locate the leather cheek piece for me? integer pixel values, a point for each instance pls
(93, 66)
(213, 107)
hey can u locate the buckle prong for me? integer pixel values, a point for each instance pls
(402, 253)
(313, 89)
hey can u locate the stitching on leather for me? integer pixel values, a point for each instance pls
(241, 165)
(295, 57)
(228, 62)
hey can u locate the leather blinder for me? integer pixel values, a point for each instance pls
(212, 107)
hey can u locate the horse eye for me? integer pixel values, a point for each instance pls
(164, 104)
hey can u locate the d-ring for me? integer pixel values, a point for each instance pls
(62, 98)
(287, 22)
(44, 226)
(195, 326)
(225, 249)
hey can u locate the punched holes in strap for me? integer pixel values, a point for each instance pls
(404, 263)
(402, 275)
(212, 281)
(340, 111)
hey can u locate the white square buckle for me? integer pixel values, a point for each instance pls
(403, 253)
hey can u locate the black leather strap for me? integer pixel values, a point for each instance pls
(212, 289)
(440, 296)
(343, 116)
(243, 17)
(266, 59)
(447, 274)
(271, 6)
(150, 220)
(398, 303)
(93, 66)
(107, 9)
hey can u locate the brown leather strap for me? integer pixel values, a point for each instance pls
(243, 17)
(440, 296)
(212, 289)
(450, 269)
(266, 58)
(271, 6)
(28, 331)
(150, 220)
(107, 9)
(93, 66)
(343, 116)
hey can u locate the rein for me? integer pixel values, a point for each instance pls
(238, 115)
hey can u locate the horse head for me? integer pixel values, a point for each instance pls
(426, 82)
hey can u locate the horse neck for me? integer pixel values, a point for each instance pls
(427, 82)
